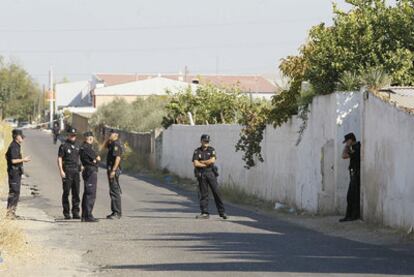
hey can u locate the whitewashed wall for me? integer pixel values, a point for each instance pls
(388, 175)
(309, 176)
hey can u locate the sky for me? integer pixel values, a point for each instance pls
(81, 37)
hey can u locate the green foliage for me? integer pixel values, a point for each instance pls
(208, 105)
(19, 94)
(372, 44)
(142, 115)
(349, 81)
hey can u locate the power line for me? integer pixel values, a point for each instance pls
(155, 27)
(251, 45)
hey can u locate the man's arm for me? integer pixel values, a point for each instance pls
(198, 164)
(345, 153)
(115, 166)
(209, 162)
(24, 160)
(60, 165)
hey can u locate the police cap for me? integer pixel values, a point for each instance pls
(205, 138)
(17, 132)
(349, 136)
(88, 134)
(113, 131)
(72, 132)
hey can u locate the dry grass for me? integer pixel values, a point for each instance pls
(12, 240)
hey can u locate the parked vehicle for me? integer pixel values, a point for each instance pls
(11, 121)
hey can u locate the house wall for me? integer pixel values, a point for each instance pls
(307, 176)
(74, 94)
(387, 175)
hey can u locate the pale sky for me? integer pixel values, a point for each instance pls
(81, 37)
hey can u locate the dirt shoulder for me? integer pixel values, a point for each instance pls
(41, 254)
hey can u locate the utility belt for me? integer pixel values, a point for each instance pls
(16, 169)
(198, 172)
(72, 168)
(91, 168)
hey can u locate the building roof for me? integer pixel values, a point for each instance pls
(401, 96)
(153, 86)
(72, 93)
(403, 91)
(247, 83)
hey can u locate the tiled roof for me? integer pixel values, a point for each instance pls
(247, 83)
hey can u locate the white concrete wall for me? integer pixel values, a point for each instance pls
(387, 165)
(290, 174)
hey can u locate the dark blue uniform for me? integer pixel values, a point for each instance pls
(15, 172)
(207, 178)
(69, 152)
(114, 150)
(88, 158)
(354, 190)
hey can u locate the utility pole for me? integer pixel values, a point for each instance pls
(51, 109)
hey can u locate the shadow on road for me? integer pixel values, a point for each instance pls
(273, 246)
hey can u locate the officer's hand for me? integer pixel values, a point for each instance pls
(98, 158)
(62, 174)
(112, 175)
(82, 168)
(27, 159)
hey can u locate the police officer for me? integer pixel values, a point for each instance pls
(206, 173)
(69, 167)
(352, 151)
(90, 160)
(113, 165)
(56, 132)
(15, 171)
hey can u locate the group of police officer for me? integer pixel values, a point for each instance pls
(73, 160)
(204, 159)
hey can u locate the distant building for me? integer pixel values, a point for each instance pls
(129, 91)
(256, 86)
(401, 96)
(73, 94)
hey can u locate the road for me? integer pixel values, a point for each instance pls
(158, 235)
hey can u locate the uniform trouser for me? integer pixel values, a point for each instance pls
(90, 178)
(206, 180)
(71, 183)
(115, 193)
(15, 177)
(353, 196)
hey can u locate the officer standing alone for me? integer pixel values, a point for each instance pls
(352, 151)
(69, 167)
(90, 160)
(15, 171)
(205, 171)
(113, 165)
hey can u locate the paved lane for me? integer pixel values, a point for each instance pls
(158, 235)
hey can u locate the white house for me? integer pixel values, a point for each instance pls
(141, 88)
(73, 94)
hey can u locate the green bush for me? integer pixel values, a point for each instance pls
(142, 115)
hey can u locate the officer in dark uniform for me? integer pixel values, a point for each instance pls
(113, 165)
(56, 132)
(90, 160)
(206, 173)
(69, 166)
(15, 171)
(352, 151)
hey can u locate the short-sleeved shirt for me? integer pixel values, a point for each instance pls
(69, 152)
(13, 153)
(355, 157)
(88, 156)
(201, 154)
(114, 150)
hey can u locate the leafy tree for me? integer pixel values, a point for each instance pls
(372, 43)
(19, 94)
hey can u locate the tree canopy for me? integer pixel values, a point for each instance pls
(19, 94)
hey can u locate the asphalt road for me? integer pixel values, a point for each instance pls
(158, 235)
